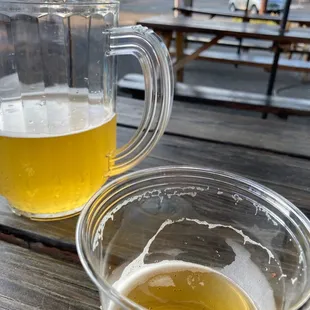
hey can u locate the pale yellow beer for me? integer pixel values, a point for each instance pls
(55, 174)
(183, 286)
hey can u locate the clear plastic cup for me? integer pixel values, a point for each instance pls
(217, 219)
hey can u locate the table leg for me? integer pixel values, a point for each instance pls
(244, 19)
(277, 53)
(180, 54)
(306, 57)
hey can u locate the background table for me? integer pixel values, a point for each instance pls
(274, 153)
(234, 29)
(296, 18)
(182, 26)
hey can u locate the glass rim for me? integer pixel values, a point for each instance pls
(61, 2)
(283, 205)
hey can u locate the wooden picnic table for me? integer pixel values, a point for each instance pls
(182, 26)
(231, 29)
(296, 18)
(39, 267)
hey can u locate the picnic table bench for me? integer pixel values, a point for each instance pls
(274, 153)
(246, 44)
(134, 85)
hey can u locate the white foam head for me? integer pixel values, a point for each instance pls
(52, 114)
(242, 271)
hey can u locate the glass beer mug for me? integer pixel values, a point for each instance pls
(57, 102)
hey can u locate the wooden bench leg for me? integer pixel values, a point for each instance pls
(167, 36)
(305, 75)
(180, 54)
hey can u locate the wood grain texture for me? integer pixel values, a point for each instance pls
(238, 30)
(33, 281)
(287, 175)
(200, 122)
(29, 280)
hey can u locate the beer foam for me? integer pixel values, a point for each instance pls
(162, 281)
(168, 193)
(52, 115)
(254, 283)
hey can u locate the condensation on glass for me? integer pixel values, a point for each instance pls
(57, 101)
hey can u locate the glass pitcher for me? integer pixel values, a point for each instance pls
(57, 102)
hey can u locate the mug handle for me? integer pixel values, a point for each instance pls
(156, 64)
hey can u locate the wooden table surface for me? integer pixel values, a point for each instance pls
(273, 152)
(233, 29)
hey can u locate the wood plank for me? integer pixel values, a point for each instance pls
(287, 175)
(247, 59)
(246, 43)
(199, 122)
(233, 29)
(232, 42)
(134, 84)
(33, 281)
